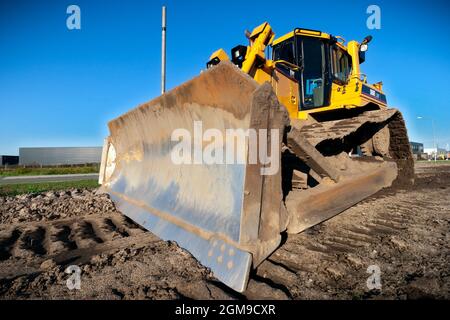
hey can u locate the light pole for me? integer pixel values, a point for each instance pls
(434, 135)
(163, 51)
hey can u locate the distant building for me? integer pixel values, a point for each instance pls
(59, 156)
(9, 160)
(417, 148)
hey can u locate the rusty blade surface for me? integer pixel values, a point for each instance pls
(198, 205)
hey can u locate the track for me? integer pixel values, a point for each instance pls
(333, 137)
(401, 150)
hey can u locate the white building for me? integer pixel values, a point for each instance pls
(432, 151)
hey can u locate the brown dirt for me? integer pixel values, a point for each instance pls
(405, 232)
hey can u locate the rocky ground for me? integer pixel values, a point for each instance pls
(402, 234)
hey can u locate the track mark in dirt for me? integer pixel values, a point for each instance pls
(31, 242)
(116, 228)
(360, 239)
(389, 224)
(109, 230)
(61, 240)
(346, 243)
(69, 241)
(85, 235)
(7, 242)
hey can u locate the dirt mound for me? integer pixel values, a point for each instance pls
(53, 205)
(402, 232)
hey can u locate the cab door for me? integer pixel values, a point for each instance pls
(286, 76)
(315, 89)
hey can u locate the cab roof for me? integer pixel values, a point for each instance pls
(304, 32)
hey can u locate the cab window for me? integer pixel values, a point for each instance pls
(284, 51)
(341, 64)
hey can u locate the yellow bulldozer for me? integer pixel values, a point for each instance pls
(254, 148)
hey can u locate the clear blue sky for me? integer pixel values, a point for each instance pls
(60, 87)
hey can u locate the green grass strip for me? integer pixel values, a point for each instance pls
(16, 189)
(48, 171)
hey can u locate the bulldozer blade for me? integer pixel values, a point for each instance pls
(214, 209)
(362, 179)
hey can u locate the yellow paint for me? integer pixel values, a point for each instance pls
(302, 32)
(260, 38)
(221, 54)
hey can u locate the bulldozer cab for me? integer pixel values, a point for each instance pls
(312, 72)
(314, 62)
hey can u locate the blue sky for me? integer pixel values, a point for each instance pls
(59, 87)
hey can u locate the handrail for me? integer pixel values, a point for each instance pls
(291, 65)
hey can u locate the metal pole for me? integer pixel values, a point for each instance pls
(434, 135)
(163, 52)
(434, 140)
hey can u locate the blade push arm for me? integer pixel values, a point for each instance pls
(252, 57)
